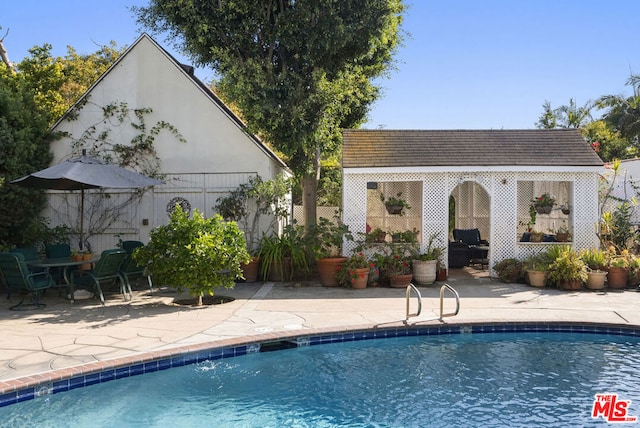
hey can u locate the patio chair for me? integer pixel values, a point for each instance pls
(58, 251)
(476, 246)
(18, 278)
(106, 270)
(130, 269)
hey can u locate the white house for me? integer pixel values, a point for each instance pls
(488, 177)
(217, 155)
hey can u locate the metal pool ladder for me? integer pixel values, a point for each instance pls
(413, 288)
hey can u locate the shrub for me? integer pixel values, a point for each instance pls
(195, 253)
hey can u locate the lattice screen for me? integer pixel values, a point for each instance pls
(494, 202)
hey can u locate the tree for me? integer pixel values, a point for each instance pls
(565, 116)
(33, 94)
(24, 144)
(195, 253)
(300, 71)
(57, 83)
(624, 112)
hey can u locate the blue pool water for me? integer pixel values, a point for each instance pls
(493, 379)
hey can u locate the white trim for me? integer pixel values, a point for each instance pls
(470, 169)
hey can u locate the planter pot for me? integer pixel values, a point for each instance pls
(328, 268)
(400, 281)
(86, 266)
(617, 277)
(361, 278)
(424, 271)
(537, 278)
(634, 278)
(544, 210)
(572, 284)
(394, 209)
(280, 270)
(250, 270)
(441, 275)
(596, 279)
(562, 237)
(566, 211)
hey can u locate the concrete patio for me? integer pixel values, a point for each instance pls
(64, 336)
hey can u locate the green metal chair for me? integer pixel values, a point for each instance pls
(106, 270)
(18, 278)
(58, 251)
(130, 269)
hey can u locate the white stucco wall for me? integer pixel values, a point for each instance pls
(217, 156)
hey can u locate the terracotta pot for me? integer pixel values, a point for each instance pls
(400, 281)
(441, 275)
(596, 279)
(250, 270)
(537, 278)
(86, 266)
(361, 278)
(617, 277)
(281, 270)
(562, 237)
(424, 271)
(328, 268)
(572, 284)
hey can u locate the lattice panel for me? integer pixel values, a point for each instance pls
(492, 201)
(410, 219)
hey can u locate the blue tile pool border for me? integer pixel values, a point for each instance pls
(181, 358)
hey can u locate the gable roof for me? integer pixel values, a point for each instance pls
(364, 148)
(188, 72)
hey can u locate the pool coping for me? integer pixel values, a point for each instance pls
(51, 382)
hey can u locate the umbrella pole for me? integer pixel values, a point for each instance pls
(81, 218)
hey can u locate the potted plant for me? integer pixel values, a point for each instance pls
(536, 268)
(282, 255)
(425, 264)
(567, 270)
(536, 236)
(508, 270)
(544, 203)
(399, 271)
(354, 271)
(596, 261)
(406, 237)
(204, 253)
(634, 270)
(618, 271)
(376, 235)
(325, 241)
(565, 208)
(248, 205)
(562, 234)
(395, 204)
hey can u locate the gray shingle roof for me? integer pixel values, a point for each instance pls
(364, 148)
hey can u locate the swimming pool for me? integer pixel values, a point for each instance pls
(493, 379)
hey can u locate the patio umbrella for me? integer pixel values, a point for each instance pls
(85, 172)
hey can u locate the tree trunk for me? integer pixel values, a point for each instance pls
(5, 55)
(309, 183)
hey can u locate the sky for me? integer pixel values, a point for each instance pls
(464, 64)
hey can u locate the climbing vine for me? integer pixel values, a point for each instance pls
(103, 208)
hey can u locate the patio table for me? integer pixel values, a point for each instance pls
(65, 263)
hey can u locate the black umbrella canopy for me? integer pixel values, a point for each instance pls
(85, 172)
